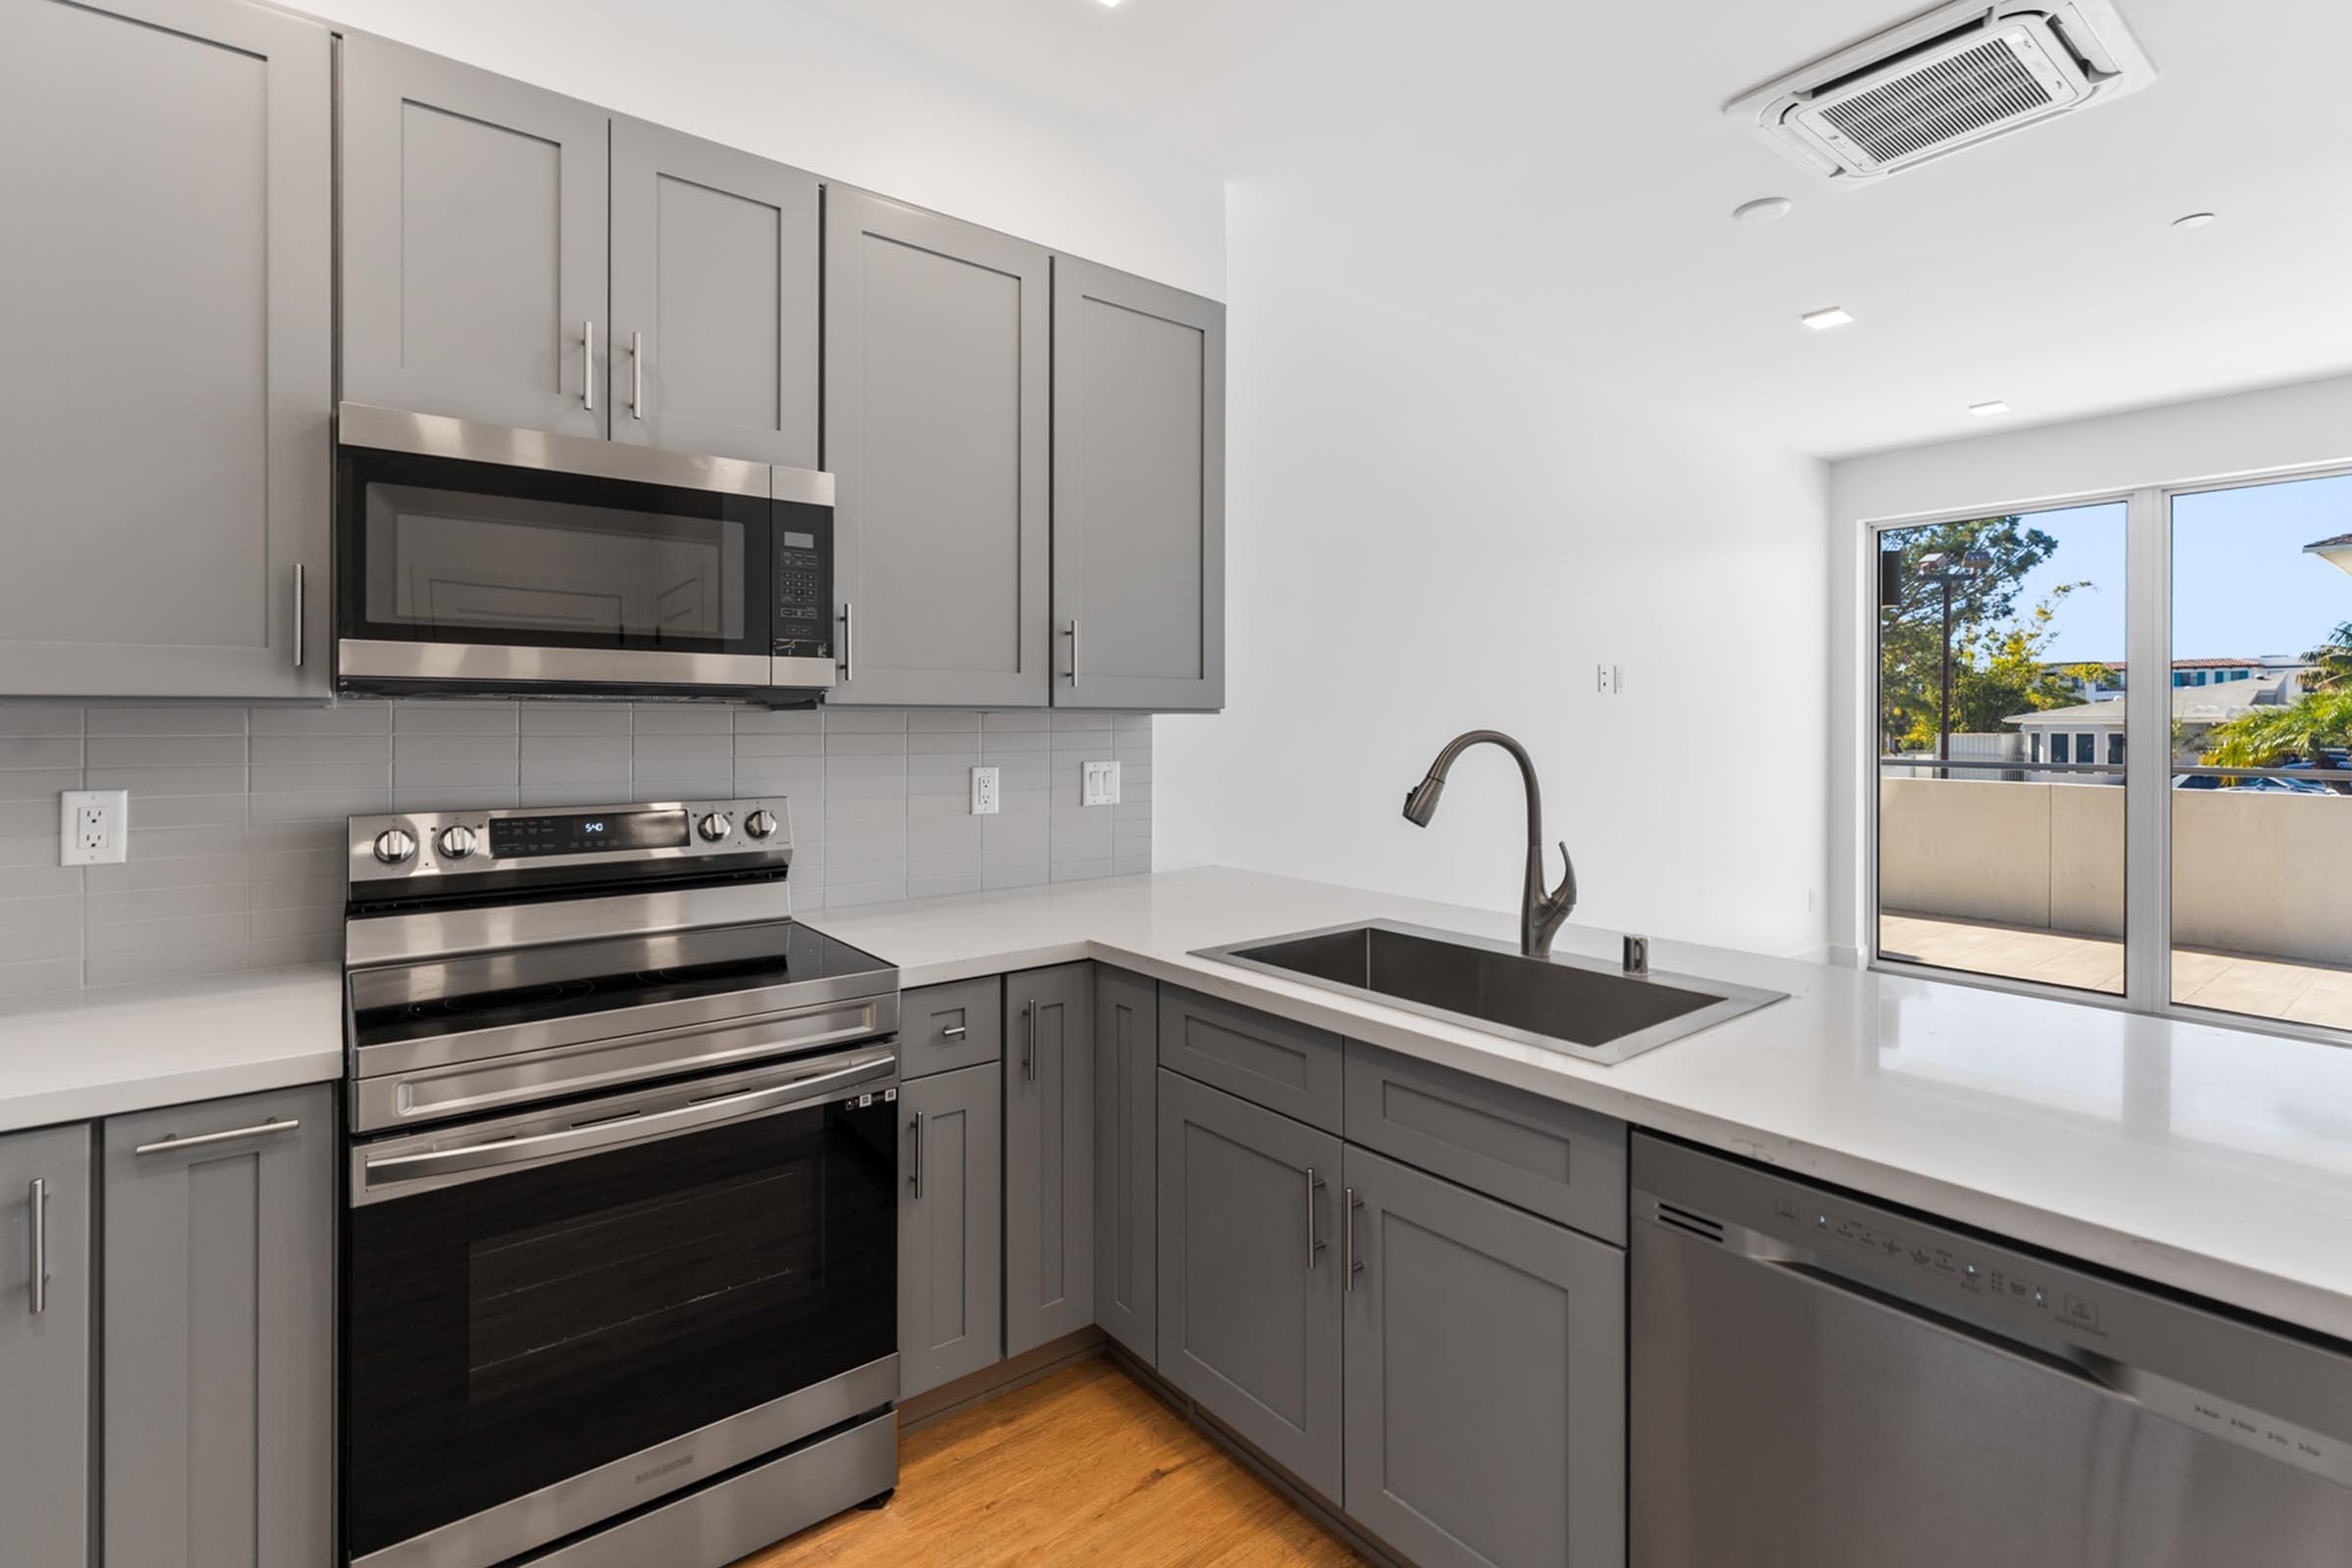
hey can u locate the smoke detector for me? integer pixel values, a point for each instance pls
(1947, 80)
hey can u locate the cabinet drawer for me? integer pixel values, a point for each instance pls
(960, 1024)
(1561, 1161)
(1267, 1061)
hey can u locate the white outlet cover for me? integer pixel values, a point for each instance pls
(984, 792)
(93, 827)
(1100, 785)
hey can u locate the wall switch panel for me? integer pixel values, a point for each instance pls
(984, 792)
(1101, 784)
(93, 827)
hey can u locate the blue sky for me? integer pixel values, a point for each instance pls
(2241, 584)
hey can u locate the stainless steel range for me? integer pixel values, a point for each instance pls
(621, 1263)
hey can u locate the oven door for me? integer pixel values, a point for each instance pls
(552, 1319)
(488, 559)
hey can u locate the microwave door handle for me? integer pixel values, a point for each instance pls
(391, 1169)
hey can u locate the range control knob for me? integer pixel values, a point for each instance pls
(714, 827)
(456, 843)
(760, 825)
(395, 845)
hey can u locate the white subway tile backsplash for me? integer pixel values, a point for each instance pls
(237, 836)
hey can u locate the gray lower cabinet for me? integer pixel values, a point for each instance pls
(1484, 1377)
(219, 1246)
(1126, 1160)
(951, 1228)
(475, 243)
(1048, 1154)
(1250, 1274)
(1139, 492)
(715, 279)
(164, 422)
(45, 1274)
(937, 359)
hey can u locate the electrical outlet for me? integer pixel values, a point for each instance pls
(93, 827)
(984, 792)
(1101, 784)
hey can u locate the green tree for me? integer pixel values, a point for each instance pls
(2331, 661)
(2303, 731)
(1998, 673)
(1983, 612)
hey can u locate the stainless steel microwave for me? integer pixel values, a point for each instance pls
(477, 559)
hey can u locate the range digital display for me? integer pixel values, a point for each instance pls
(581, 833)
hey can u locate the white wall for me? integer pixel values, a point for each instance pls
(803, 89)
(2223, 437)
(1430, 532)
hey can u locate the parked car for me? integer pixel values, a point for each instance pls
(2257, 786)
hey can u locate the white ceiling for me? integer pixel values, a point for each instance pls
(1558, 174)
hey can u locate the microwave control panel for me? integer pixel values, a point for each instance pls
(804, 588)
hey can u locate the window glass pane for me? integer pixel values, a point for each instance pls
(2000, 642)
(2262, 793)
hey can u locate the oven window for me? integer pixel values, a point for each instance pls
(456, 552)
(513, 1331)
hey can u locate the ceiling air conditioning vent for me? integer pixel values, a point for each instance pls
(1952, 78)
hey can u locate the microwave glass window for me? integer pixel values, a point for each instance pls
(450, 561)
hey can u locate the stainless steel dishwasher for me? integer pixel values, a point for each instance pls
(1819, 1382)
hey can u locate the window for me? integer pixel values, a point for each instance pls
(2015, 834)
(1988, 626)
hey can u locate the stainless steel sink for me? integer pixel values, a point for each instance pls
(1580, 1007)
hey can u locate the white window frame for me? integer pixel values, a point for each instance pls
(2147, 769)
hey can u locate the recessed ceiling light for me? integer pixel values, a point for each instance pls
(2193, 220)
(1827, 317)
(1763, 210)
(1986, 411)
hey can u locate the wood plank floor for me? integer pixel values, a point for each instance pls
(1081, 1467)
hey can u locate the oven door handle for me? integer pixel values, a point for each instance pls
(629, 1127)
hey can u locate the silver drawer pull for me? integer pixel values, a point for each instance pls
(165, 1146)
(36, 1199)
(636, 376)
(588, 365)
(953, 1031)
(1354, 1265)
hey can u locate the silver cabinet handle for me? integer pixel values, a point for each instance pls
(636, 376)
(301, 615)
(918, 1177)
(1314, 1244)
(1354, 1267)
(1073, 635)
(953, 1031)
(263, 1130)
(1029, 1047)
(36, 1202)
(849, 646)
(588, 365)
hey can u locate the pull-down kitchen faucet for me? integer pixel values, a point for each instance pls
(1539, 913)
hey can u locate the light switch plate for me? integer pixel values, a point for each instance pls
(1100, 785)
(93, 827)
(984, 792)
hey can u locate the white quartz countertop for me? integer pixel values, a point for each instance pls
(2214, 1160)
(81, 1055)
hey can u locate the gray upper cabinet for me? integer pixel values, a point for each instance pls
(715, 299)
(1139, 492)
(474, 243)
(1484, 1377)
(46, 1347)
(1249, 1274)
(218, 1327)
(1048, 1154)
(1126, 1163)
(164, 422)
(937, 359)
(951, 1228)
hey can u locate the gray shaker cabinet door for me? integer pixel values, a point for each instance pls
(951, 1228)
(715, 262)
(1126, 1162)
(165, 413)
(937, 359)
(1139, 492)
(1486, 1378)
(1048, 1154)
(474, 243)
(219, 1323)
(1249, 1274)
(45, 1348)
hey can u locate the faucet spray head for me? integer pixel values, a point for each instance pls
(1421, 803)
